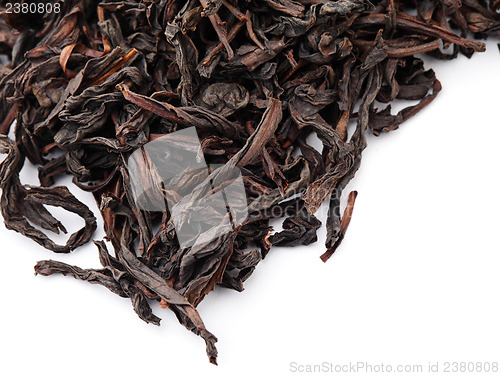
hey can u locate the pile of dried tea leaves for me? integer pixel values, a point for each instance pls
(88, 82)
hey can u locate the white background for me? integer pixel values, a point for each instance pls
(416, 279)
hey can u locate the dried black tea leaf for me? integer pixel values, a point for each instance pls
(188, 122)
